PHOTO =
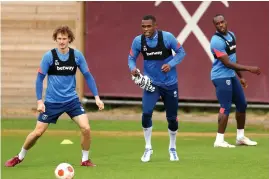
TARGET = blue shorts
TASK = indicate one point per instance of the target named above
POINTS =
(228, 91)
(54, 110)
(169, 97)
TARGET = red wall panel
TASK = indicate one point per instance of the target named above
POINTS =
(112, 26)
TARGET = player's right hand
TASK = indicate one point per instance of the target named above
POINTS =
(135, 72)
(255, 70)
(243, 83)
(40, 106)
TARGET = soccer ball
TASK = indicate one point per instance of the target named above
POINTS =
(64, 171)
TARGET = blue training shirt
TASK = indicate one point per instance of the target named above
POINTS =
(152, 68)
(218, 46)
(63, 88)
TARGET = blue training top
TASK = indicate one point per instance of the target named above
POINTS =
(152, 68)
(218, 48)
(62, 88)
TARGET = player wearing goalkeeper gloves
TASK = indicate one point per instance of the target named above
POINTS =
(160, 67)
(60, 64)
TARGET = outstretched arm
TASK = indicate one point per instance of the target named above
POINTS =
(224, 58)
(218, 47)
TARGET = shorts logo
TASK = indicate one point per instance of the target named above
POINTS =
(175, 94)
(81, 108)
(228, 82)
(44, 117)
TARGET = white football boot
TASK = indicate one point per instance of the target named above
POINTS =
(245, 141)
(173, 154)
(223, 144)
(147, 154)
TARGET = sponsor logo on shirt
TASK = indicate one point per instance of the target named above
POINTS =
(65, 68)
(232, 47)
(154, 53)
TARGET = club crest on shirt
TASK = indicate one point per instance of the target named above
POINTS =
(228, 82)
(145, 48)
(56, 62)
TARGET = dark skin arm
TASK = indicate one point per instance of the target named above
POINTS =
(166, 68)
(242, 79)
(238, 67)
(134, 72)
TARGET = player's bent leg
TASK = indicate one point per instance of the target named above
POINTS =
(83, 123)
(224, 93)
(35, 135)
(170, 99)
(28, 144)
(240, 103)
(148, 103)
(240, 115)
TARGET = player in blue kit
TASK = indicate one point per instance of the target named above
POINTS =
(228, 87)
(160, 67)
(60, 64)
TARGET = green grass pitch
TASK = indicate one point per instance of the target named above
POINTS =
(118, 157)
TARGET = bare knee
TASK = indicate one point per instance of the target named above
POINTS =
(38, 133)
(40, 129)
(85, 130)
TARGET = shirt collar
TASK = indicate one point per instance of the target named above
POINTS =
(155, 35)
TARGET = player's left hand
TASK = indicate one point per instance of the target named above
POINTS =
(243, 83)
(166, 68)
(99, 103)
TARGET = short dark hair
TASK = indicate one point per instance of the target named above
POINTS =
(217, 15)
(149, 17)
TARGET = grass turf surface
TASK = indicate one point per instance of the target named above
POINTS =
(119, 157)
